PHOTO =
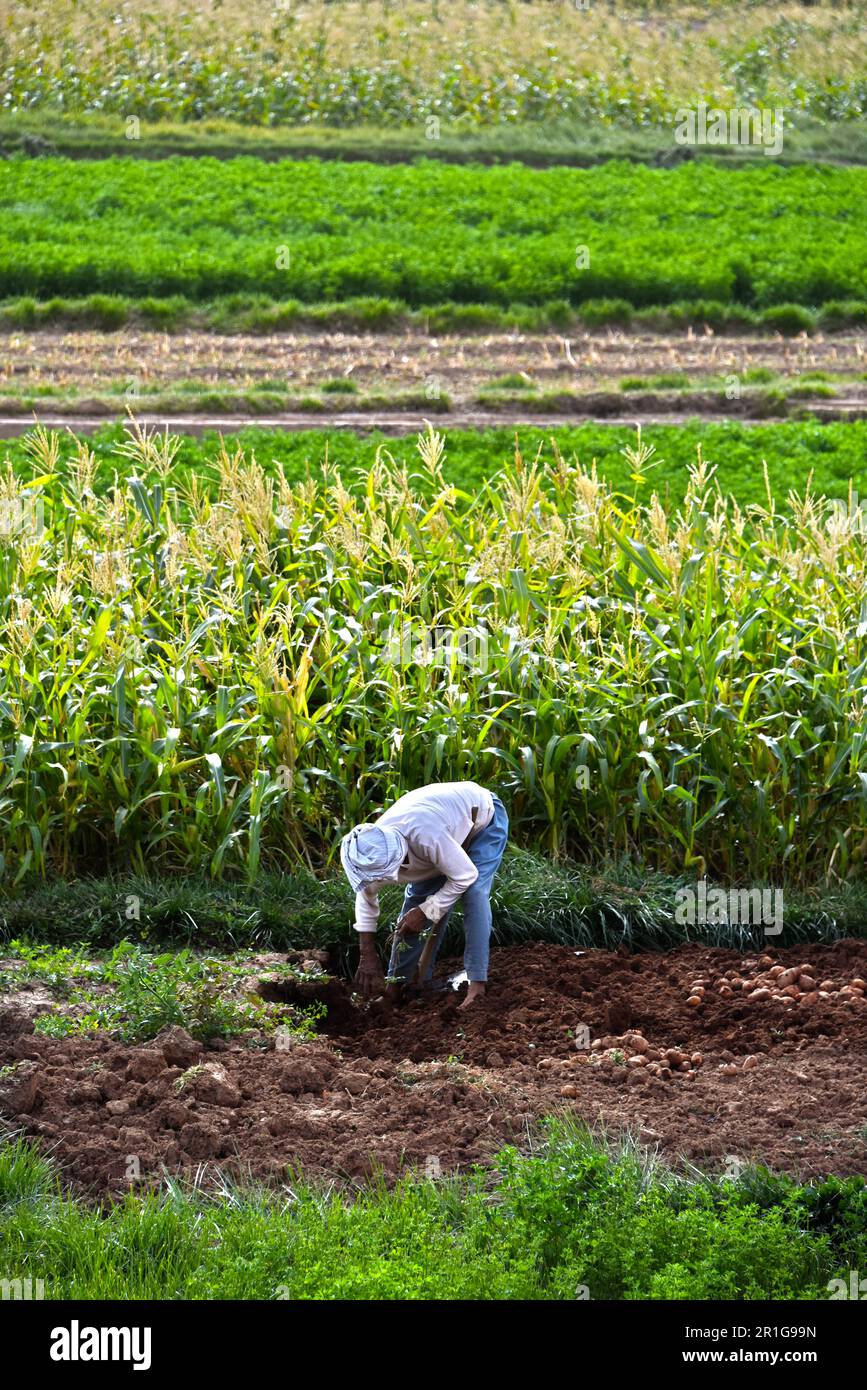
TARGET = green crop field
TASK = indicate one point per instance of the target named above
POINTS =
(211, 678)
(430, 233)
(384, 64)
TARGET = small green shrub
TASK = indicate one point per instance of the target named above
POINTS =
(598, 313)
(789, 318)
(338, 386)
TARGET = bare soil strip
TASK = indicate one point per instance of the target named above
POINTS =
(746, 1073)
(459, 364)
(80, 380)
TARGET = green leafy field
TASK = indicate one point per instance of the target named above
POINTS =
(430, 233)
(571, 1220)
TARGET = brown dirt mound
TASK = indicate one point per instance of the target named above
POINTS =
(776, 1077)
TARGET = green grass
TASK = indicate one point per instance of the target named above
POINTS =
(186, 399)
(570, 1220)
(534, 899)
(133, 992)
(759, 376)
(172, 401)
(512, 381)
(806, 386)
(565, 143)
(786, 241)
(339, 386)
(662, 381)
(222, 677)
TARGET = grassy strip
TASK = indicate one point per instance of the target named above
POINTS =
(831, 454)
(537, 144)
(534, 899)
(765, 237)
(208, 399)
(572, 1219)
(786, 400)
(252, 313)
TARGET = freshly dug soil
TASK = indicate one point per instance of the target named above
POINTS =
(767, 1076)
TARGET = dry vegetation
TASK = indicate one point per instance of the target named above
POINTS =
(138, 362)
(385, 62)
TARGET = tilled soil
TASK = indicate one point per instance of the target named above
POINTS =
(402, 377)
(460, 364)
(749, 1074)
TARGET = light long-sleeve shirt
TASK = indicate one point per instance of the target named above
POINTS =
(437, 823)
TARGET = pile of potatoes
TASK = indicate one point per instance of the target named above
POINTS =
(633, 1050)
(763, 979)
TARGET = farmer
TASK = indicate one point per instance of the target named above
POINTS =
(444, 842)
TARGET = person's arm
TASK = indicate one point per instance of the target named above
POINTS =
(457, 868)
(369, 979)
(366, 912)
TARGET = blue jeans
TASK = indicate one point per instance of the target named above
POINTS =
(485, 850)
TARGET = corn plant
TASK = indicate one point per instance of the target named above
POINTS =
(382, 64)
(213, 675)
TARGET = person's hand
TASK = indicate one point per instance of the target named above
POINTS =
(412, 923)
(369, 979)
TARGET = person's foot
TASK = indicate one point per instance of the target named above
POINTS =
(475, 990)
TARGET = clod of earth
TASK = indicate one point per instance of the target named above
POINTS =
(19, 1088)
(178, 1048)
(213, 1085)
